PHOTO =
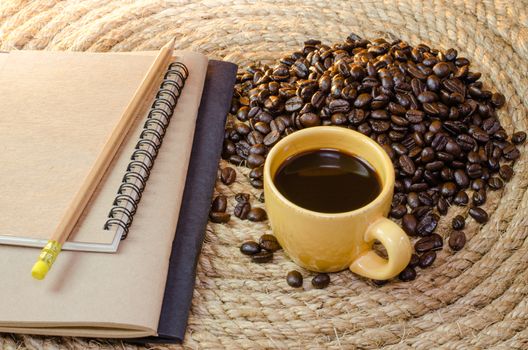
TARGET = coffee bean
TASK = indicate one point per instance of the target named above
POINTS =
(262, 257)
(457, 240)
(461, 198)
(255, 160)
(406, 164)
(415, 259)
(294, 279)
(409, 224)
(257, 183)
(321, 280)
(458, 222)
(433, 242)
(461, 179)
(241, 210)
(309, 119)
(479, 197)
(495, 183)
(257, 214)
(414, 116)
(242, 197)
(219, 204)
(362, 100)
(272, 138)
(250, 248)
(427, 224)
(228, 175)
(427, 259)
(408, 274)
(219, 217)
(442, 206)
(449, 189)
(510, 152)
(506, 172)
(399, 211)
(441, 69)
(479, 214)
(269, 242)
(519, 137)
(478, 184)
(498, 99)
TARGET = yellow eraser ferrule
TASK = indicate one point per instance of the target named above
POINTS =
(46, 259)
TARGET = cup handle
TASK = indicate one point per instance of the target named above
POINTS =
(369, 264)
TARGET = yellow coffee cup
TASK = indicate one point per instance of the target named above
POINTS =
(327, 242)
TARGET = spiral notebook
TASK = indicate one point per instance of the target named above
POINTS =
(56, 111)
(138, 291)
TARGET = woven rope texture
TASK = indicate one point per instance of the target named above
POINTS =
(476, 298)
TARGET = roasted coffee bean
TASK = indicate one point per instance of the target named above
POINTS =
(409, 224)
(262, 257)
(219, 217)
(257, 214)
(427, 259)
(294, 279)
(362, 100)
(479, 197)
(228, 176)
(257, 173)
(432, 242)
(461, 178)
(442, 206)
(441, 69)
(415, 259)
(379, 283)
(399, 211)
(242, 197)
(408, 274)
(457, 240)
(519, 137)
(219, 204)
(427, 224)
(269, 242)
(293, 104)
(458, 222)
(241, 210)
(449, 189)
(413, 200)
(498, 99)
(406, 164)
(250, 248)
(461, 198)
(255, 160)
(257, 183)
(477, 184)
(321, 280)
(414, 116)
(479, 214)
(506, 172)
(495, 183)
(510, 152)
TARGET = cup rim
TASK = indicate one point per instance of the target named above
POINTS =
(389, 179)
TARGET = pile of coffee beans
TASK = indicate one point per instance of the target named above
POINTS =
(426, 107)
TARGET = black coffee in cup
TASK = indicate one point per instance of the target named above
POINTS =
(327, 181)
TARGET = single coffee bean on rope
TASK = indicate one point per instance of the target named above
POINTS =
(228, 175)
(519, 137)
(269, 242)
(479, 214)
(408, 274)
(242, 197)
(457, 240)
(250, 248)
(242, 210)
(257, 214)
(294, 279)
(458, 222)
(321, 280)
(427, 259)
(262, 257)
(219, 204)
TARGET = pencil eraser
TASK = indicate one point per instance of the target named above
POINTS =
(39, 270)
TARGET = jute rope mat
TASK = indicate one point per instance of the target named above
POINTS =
(474, 299)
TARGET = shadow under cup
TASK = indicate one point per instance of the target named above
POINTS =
(325, 242)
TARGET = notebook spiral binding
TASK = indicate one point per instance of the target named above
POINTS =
(142, 160)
